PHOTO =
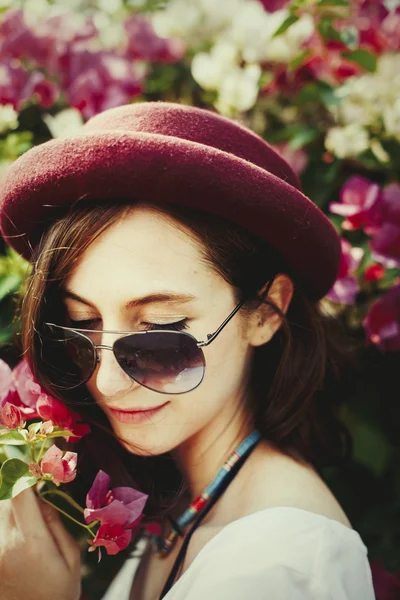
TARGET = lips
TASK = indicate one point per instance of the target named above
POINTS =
(136, 410)
(137, 415)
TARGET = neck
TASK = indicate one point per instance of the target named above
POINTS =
(201, 456)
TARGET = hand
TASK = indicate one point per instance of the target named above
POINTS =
(39, 559)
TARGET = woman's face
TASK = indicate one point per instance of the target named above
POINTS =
(145, 253)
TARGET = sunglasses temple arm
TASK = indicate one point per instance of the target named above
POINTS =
(211, 336)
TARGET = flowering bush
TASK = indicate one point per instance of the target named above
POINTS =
(318, 79)
(116, 512)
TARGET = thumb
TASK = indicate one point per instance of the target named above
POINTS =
(68, 547)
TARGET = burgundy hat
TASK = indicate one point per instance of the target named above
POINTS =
(166, 152)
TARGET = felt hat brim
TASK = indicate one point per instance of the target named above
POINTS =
(164, 168)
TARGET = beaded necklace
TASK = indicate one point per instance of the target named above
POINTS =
(162, 546)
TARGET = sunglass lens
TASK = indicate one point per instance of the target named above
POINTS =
(68, 357)
(169, 362)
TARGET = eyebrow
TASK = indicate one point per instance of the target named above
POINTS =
(166, 297)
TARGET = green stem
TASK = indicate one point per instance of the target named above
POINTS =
(66, 497)
(67, 515)
(41, 450)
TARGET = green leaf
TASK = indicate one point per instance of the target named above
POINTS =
(303, 136)
(327, 30)
(333, 3)
(364, 58)
(285, 25)
(299, 59)
(12, 438)
(14, 478)
(61, 433)
(9, 284)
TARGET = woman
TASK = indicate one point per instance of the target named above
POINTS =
(172, 220)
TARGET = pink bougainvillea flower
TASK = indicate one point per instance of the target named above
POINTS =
(113, 537)
(386, 584)
(26, 393)
(382, 323)
(144, 44)
(62, 468)
(10, 416)
(377, 25)
(119, 511)
(17, 86)
(359, 203)
(346, 287)
(118, 506)
(97, 80)
(374, 272)
(19, 388)
(273, 5)
(7, 389)
(385, 244)
(50, 409)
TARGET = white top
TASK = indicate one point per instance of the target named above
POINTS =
(279, 553)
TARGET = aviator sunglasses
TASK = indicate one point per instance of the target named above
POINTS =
(168, 362)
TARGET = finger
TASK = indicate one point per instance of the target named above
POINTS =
(30, 522)
(27, 514)
(65, 543)
(7, 520)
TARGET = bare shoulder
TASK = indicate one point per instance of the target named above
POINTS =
(275, 479)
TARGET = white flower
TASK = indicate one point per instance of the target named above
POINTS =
(8, 118)
(219, 70)
(287, 45)
(111, 30)
(372, 100)
(110, 6)
(238, 90)
(347, 141)
(209, 69)
(66, 122)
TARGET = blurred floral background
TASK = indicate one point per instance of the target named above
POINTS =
(320, 80)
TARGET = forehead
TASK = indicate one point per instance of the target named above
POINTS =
(142, 252)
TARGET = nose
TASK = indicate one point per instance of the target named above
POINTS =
(110, 379)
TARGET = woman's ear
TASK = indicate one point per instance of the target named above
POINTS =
(266, 320)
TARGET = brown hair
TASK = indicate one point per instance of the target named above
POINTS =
(294, 378)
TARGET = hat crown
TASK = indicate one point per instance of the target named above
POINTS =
(194, 125)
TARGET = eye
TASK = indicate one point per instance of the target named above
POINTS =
(177, 326)
(84, 324)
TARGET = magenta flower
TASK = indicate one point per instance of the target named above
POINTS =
(17, 86)
(113, 537)
(145, 44)
(359, 203)
(7, 389)
(374, 272)
(119, 506)
(273, 5)
(346, 287)
(19, 388)
(11, 416)
(61, 468)
(119, 511)
(50, 409)
(382, 324)
(97, 80)
(385, 244)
